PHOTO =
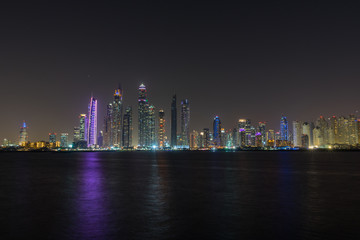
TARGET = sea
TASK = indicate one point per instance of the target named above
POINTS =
(180, 195)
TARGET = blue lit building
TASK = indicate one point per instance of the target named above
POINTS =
(284, 130)
(217, 132)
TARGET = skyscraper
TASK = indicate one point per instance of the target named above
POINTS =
(82, 119)
(108, 122)
(297, 133)
(52, 139)
(173, 122)
(143, 110)
(76, 137)
(185, 123)
(161, 134)
(284, 130)
(353, 130)
(91, 131)
(151, 134)
(262, 130)
(308, 131)
(64, 140)
(217, 131)
(23, 135)
(127, 128)
(116, 118)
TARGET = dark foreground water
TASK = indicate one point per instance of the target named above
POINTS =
(180, 195)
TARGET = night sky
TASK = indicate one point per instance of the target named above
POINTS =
(253, 61)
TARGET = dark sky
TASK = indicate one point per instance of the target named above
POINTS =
(254, 61)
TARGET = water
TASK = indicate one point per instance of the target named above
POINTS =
(180, 195)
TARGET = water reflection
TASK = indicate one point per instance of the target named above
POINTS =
(92, 209)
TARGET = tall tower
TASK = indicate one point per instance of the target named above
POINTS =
(217, 131)
(143, 111)
(185, 123)
(284, 130)
(23, 135)
(151, 133)
(173, 122)
(82, 119)
(161, 135)
(116, 126)
(108, 122)
(297, 133)
(92, 123)
(127, 128)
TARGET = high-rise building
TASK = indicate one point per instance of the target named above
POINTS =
(83, 123)
(91, 131)
(194, 135)
(64, 140)
(284, 130)
(308, 131)
(297, 133)
(317, 137)
(100, 139)
(161, 134)
(305, 141)
(331, 130)
(173, 140)
(127, 128)
(151, 141)
(185, 123)
(217, 132)
(143, 114)
(323, 126)
(206, 138)
(23, 135)
(262, 130)
(116, 118)
(108, 122)
(342, 130)
(353, 130)
(270, 138)
(76, 137)
(52, 138)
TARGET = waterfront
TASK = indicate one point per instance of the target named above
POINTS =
(180, 195)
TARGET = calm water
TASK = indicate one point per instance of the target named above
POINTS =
(180, 195)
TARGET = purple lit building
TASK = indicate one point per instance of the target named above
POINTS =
(91, 123)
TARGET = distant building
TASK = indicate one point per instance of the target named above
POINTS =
(23, 135)
(143, 118)
(185, 123)
(116, 118)
(308, 131)
(64, 140)
(91, 131)
(151, 141)
(297, 133)
(83, 121)
(108, 126)
(217, 132)
(173, 139)
(76, 136)
(353, 130)
(305, 141)
(161, 134)
(127, 128)
(284, 130)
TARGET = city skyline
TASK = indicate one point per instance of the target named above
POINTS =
(117, 130)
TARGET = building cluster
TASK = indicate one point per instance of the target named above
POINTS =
(117, 130)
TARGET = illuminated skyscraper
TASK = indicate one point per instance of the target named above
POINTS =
(308, 131)
(64, 139)
(108, 121)
(83, 123)
(116, 118)
(173, 140)
(284, 130)
(52, 138)
(151, 137)
(76, 134)
(161, 135)
(127, 128)
(353, 130)
(217, 132)
(23, 135)
(92, 123)
(206, 138)
(323, 126)
(185, 123)
(194, 136)
(262, 130)
(297, 133)
(143, 112)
